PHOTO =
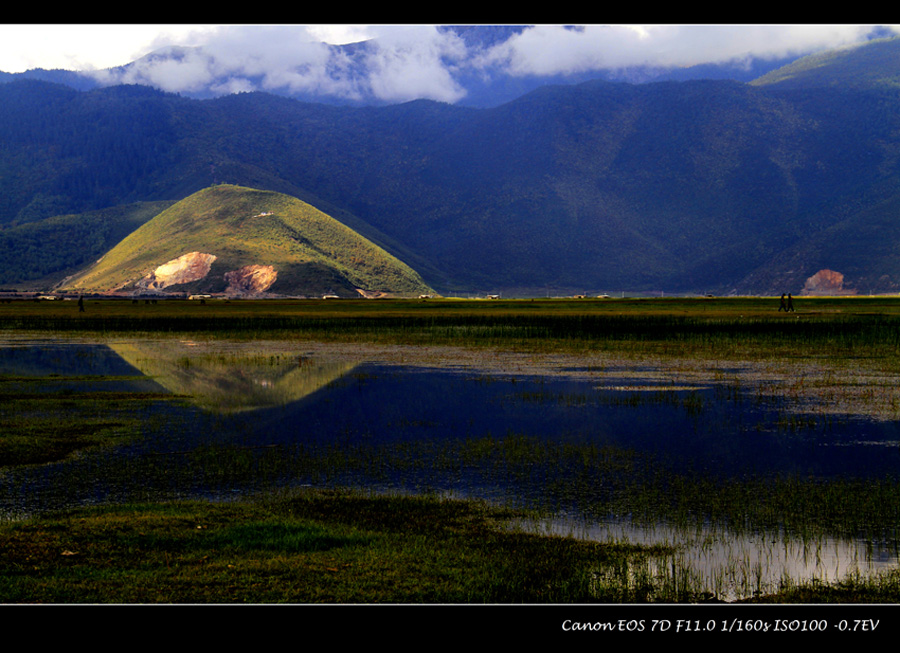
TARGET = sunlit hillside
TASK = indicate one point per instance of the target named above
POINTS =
(309, 253)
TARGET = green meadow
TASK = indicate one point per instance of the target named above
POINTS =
(831, 358)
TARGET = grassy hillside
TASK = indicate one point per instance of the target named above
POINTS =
(871, 65)
(311, 252)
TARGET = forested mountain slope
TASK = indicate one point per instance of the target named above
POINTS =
(674, 186)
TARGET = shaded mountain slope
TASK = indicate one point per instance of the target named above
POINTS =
(40, 253)
(864, 248)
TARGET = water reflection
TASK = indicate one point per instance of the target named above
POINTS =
(230, 381)
(256, 418)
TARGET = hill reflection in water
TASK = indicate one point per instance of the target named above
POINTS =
(230, 381)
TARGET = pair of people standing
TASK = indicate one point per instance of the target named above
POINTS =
(787, 305)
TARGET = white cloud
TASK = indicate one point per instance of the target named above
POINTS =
(542, 50)
(340, 34)
(79, 47)
(410, 62)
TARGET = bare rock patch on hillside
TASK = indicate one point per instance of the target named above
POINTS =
(250, 280)
(826, 282)
(184, 269)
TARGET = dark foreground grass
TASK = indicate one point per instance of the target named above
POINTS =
(310, 548)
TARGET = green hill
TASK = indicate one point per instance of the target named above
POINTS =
(243, 241)
(875, 64)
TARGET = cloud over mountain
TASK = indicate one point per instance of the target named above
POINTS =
(546, 50)
(400, 63)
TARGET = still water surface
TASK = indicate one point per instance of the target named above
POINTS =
(254, 419)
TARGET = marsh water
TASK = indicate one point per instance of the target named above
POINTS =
(576, 443)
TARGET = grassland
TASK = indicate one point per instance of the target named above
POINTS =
(313, 547)
(298, 548)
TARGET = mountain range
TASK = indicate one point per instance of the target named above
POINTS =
(702, 185)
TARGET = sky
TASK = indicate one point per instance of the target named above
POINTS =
(410, 60)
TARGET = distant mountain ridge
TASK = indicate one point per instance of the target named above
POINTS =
(694, 186)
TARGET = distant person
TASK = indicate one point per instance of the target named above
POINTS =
(81, 303)
(790, 303)
(783, 306)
